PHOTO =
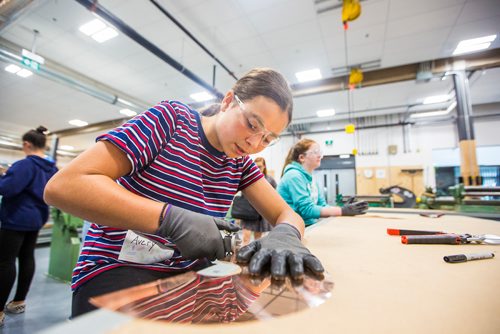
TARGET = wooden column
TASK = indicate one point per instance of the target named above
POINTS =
(469, 169)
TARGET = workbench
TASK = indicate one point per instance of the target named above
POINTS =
(381, 285)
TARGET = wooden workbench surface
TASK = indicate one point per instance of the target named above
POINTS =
(384, 286)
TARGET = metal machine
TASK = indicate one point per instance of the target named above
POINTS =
(478, 201)
(377, 201)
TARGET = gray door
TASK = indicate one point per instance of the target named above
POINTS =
(336, 181)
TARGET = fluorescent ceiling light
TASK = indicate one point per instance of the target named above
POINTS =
(202, 96)
(436, 99)
(66, 147)
(104, 35)
(98, 30)
(124, 102)
(92, 27)
(308, 75)
(344, 156)
(5, 142)
(24, 73)
(77, 122)
(325, 112)
(128, 112)
(474, 44)
(13, 68)
(430, 114)
(451, 106)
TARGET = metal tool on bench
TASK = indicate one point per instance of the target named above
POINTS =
(451, 239)
(440, 237)
(232, 242)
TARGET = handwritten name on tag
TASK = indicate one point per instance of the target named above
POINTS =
(138, 248)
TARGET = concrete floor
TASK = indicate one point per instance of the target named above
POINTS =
(48, 302)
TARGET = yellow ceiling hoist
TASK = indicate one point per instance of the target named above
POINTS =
(351, 9)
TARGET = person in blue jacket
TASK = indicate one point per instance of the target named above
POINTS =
(302, 193)
(23, 212)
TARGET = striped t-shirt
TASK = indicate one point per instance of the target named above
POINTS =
(172, 161)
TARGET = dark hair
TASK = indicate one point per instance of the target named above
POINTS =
(261, 159)
(260, 82)
(299, 148)
(36, 137)
(265, 82)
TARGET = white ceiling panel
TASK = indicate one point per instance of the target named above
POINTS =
(479, 10)
(439, 19)
(288, 36)
(485, 27)
(409, 8)
(257, 5)
(282, 15)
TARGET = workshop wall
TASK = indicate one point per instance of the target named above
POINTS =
(374, 143)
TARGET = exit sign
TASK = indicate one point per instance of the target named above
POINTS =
(329, 142)
(30, 63)
(32, 60)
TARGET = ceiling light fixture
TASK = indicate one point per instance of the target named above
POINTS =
(451, 106)
(22, 72)
(104, 35)
(325, 112)
(128, 112)
(436, 99)
(12, 68)
(92, 27)
(308, 75)
(202, 96)
(474, 44)
(77, 122)
(98, 30)
(430, 114)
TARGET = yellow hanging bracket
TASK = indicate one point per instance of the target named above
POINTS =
(349, 128)
(355, 78)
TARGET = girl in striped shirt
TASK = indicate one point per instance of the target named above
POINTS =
(157, 189)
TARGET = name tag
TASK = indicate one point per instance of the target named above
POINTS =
(139, 249)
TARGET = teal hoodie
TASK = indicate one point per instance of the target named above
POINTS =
(296, 188)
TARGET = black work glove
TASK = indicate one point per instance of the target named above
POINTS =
(357, 208)
(283, 251)
(196, 235)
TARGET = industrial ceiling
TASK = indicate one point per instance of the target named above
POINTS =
(288, 35)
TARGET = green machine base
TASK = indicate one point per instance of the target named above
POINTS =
(65, 245)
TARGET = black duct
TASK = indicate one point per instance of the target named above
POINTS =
(96, 8)
(177, 23)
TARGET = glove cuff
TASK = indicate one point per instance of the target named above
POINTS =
(287, 227)
(163, 213)
(342, 211)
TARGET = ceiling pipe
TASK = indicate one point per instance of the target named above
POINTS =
(95, 7)
(477, 61)
(61, 75)
(396, 109)
(177, 23)
(386, 125)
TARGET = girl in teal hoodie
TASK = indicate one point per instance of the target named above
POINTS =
(301, 192)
